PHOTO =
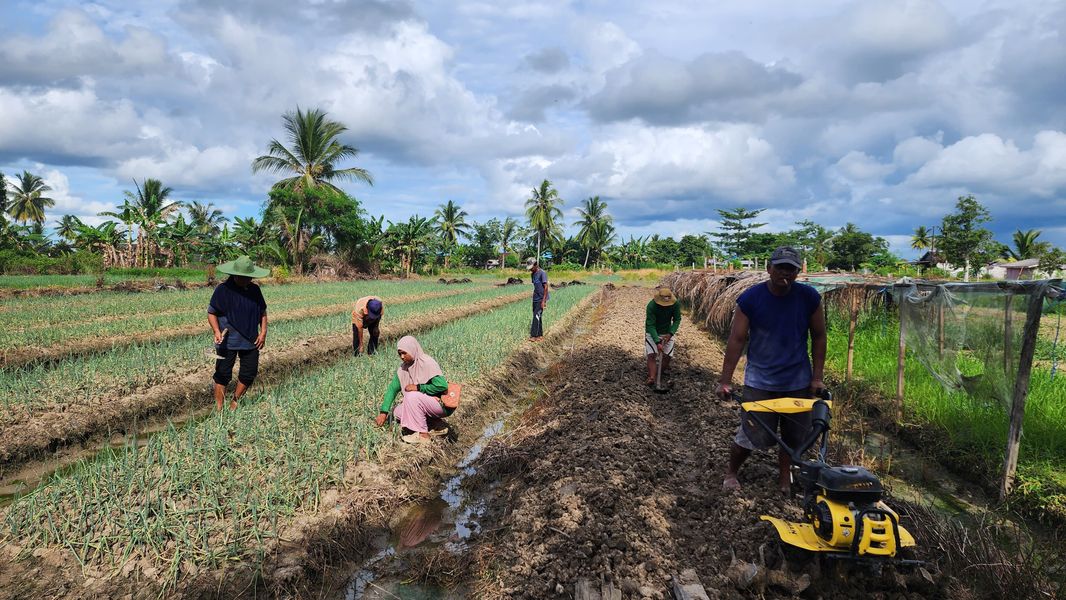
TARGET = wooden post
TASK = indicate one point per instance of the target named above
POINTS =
(1021, 390)
(1008, 333)
(851, 333)
(940, 327)
(900, 360)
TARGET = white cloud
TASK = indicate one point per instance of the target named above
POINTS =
(858, 166)
(989, 162)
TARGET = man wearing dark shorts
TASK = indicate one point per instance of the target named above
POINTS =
(237, 316)
(775, 319)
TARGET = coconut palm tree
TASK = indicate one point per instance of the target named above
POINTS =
(409, 239)
(3, 199)
(509, 232)
(205, 218)
(313, 153)
(921, 238)
(600, 237)
(1026, 245)
(28, 200)
(151, 208)
(67, 227)
(592, 212)
(451, 223)
(543, 211)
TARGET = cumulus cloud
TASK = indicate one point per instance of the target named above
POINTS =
(988, 162)
(548, 60)
(75, 47)
(661, 90)
(879, 40)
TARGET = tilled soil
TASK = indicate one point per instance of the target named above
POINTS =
(609, 482)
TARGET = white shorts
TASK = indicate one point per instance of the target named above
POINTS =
(650, 345)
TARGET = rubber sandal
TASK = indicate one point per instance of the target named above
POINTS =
(438, 432)
(414, 438)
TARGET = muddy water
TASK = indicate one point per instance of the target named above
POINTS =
(446, 521)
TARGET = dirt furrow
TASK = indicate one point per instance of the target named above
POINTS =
(49, 431)
(607, 481)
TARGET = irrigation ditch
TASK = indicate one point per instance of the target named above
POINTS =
(94, 427)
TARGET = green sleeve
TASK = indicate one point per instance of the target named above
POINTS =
(649, 321)
(435, 387)
(675, 319)
(390, 394)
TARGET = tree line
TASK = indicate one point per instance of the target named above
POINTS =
(306, 215)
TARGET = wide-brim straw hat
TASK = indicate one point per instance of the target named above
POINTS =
(244, 267)
(665, 297)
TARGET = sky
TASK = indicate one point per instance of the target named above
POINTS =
(879, 113)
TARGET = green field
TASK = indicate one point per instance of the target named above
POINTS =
(223, 488)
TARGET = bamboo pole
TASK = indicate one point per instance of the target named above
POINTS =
(900, 360)
(1021, 390)
(1008, 333)
(940, 327)
(854, 317)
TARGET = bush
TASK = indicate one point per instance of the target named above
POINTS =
(565, 266)
(14, 262)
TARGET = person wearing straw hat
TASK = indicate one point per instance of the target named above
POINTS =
(662, 318)
(422, 383)
(237, 314)
(775, 319)
(366, 317)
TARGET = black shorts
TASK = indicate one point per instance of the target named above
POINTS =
(249, 366)
(793, 428)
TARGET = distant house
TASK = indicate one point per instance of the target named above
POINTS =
(1014, 271)
(930, 260)
(492, 263)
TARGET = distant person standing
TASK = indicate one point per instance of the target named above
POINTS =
(237, 314)
(366, 317)
(540, 300)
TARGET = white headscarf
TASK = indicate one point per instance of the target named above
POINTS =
(422, 368)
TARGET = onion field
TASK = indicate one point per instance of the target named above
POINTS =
(225, 489)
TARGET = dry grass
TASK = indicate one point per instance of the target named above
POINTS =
(711, 297)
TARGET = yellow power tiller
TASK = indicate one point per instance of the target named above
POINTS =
(846, 517)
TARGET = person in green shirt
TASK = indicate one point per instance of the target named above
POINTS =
(422, 383)
(662, 317)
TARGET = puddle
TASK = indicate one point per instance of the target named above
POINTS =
(446, 521)
(26, 480)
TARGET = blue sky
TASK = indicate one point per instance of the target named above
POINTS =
(879, 113)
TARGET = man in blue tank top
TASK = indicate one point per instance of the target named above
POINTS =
(775, 320)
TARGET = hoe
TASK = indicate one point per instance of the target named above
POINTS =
(846, 518)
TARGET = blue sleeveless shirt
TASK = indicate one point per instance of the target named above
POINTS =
(778, 337)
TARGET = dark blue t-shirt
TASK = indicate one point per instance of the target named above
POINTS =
(540, 282)
(778, 359)
(240, 311)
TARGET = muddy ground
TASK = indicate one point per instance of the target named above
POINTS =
(608, 482)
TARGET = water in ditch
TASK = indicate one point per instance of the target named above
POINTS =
(446, 521)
